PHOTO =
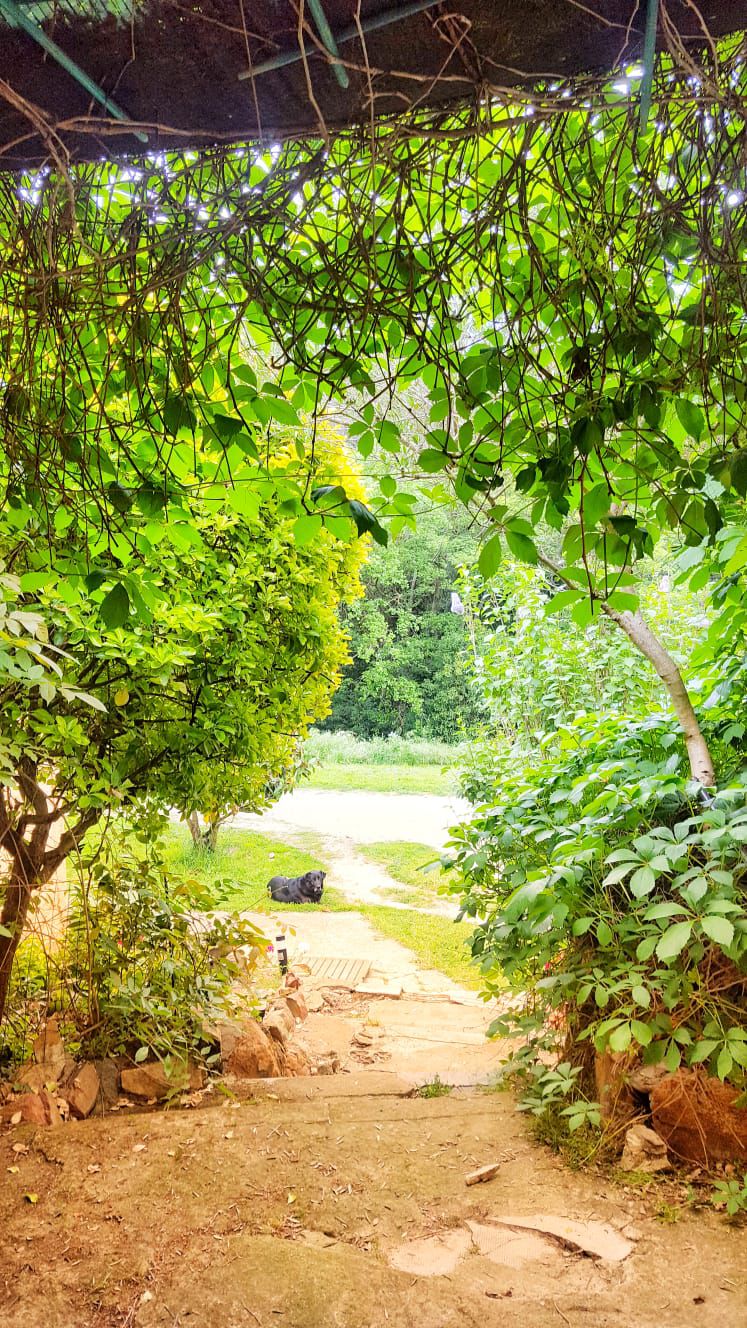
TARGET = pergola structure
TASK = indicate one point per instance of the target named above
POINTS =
(88, 78)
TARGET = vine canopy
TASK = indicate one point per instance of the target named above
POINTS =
(555, 283)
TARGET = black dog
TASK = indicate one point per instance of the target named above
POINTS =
(297, 889)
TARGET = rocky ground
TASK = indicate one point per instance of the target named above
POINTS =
(340, 1198)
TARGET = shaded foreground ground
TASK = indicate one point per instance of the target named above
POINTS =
(275, 1211)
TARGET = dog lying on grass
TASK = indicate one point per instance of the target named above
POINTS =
(306, 889)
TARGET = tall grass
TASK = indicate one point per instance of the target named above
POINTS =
(343, 748)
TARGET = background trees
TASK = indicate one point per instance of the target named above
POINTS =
(197, 700)
(407, 671)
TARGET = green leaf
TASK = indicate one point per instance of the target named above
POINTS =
(562, 599)
(604, 934)
(724, 1063)
(690, 417)
(674, 940)
(431, 460)
(719, 929)
(522, 546)
(115, 606)
(620, 1039)
(642, 882)
(306, 528)
(641, 996)
(490, 557)
(178, 414)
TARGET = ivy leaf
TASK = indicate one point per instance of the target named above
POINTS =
(522, 546)
(674, 940)
(490, 557)
(178, 414)
(642, 882)
(431, 460)
(690, 417)
(306, 528)
(720, 930)
(115, 606)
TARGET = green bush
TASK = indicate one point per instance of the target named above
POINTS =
(143, 972)
(624, 939)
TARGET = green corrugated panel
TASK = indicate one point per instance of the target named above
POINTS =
(43, 10)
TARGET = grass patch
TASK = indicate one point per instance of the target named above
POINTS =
(404, 862)
(438, 942)
(244, 861)
(344, 748)
(384, 778)
(435, 1088)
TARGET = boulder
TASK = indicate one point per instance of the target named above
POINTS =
(48, 1048)
(698, 1120)
(279, 1023)
(328, 1063)
(644, 1078)
(108, 1072)
(296, 1061)
(255, 1055)
(150, 1079)
(295, 1003)
(81, 1090)
(644, 1150)
(33, 1109)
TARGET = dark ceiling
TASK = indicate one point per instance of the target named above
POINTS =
(175, 68)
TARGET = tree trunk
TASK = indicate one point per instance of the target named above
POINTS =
(13, 919)
(203, 836)
(639, 633)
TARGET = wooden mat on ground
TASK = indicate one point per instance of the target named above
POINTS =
(337, 972)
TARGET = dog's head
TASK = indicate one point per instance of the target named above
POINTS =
(312, 885)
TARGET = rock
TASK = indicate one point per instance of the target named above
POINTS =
(483, 1174)
(255, 1055)
(644, 1078)
(151, 1080)
(38, 1109)
(82, 1090)
(228, 1035)
(48, 1048)
(328, 1063)
(314, 1000)
(296, 1061)
(644, 1150)
(698, 1120)
(108, 1072)
(296, 1004)
(279, 1023)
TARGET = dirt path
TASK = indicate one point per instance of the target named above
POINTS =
(340, 1201)
(340, 822)
(343, 1205)
(362, 818)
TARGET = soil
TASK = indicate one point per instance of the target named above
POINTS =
(340, 1200)
(295, 1211)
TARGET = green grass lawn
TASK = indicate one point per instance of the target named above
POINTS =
(438, 942)
(244, 862)
(403, 861)
(384, 778)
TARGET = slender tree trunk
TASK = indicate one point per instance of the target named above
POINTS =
(13, 919)
(639, 633)
(203, 836)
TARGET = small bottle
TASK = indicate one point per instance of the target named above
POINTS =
(282, 952)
